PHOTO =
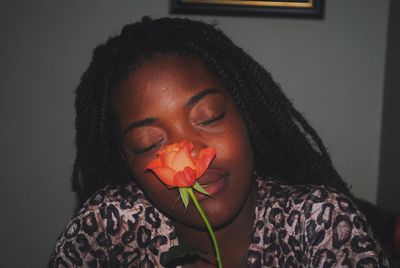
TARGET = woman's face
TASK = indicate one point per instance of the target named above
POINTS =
(174, 98)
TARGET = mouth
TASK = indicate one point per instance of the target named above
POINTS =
(214, 181)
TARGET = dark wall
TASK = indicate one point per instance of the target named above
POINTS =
(389, 171)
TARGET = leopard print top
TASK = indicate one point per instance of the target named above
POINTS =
(295, 226)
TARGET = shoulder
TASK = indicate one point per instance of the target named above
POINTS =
(113, 206)
(303, 198)
(99, 232)
(337, 231)
(113, 201)
(313, 206)
(326, 224)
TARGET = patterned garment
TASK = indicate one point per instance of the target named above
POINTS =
(295, 226)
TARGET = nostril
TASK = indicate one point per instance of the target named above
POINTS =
(197, 147)
(195, 152)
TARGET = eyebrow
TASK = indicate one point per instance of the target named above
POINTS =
(192, 101)
(196, 98)
(139, 123)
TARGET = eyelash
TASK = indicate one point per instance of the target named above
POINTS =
(151, 147)
(202, 123)
(211, 120)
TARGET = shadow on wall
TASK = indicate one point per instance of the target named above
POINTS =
(390, 144)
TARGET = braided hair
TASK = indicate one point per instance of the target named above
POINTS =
(285, 146)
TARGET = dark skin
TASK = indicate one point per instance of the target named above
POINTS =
(174, 98)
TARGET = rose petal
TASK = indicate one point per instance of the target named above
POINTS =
(167, 158)
(166, 175)
(183, 159)
(185, 178)
(190, 175)
(154, 164)
(203, 161)
(175, 166)
(171, 148)
(185, 144)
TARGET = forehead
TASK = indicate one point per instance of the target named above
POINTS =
(163, 81)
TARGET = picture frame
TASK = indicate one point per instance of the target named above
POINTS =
(288, 8)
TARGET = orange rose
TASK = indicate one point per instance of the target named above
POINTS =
(175, 166)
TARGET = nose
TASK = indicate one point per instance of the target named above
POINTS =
(191, 135)
(197, 147)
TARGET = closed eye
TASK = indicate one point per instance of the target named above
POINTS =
(149, 148)
(211, 120)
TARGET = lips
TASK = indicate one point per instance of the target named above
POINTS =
(214, 181)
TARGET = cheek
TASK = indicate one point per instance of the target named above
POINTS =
(145, 178)
(237, 147)
(157, 192)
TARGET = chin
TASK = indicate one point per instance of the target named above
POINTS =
(224, 213)
(220, 213)
(194, 220)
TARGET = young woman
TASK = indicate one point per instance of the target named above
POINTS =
(276, 199)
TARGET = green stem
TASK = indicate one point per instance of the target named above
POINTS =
(209, 228)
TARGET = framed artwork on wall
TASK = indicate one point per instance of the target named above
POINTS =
(288, 8)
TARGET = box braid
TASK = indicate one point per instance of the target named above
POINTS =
(286, 147)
